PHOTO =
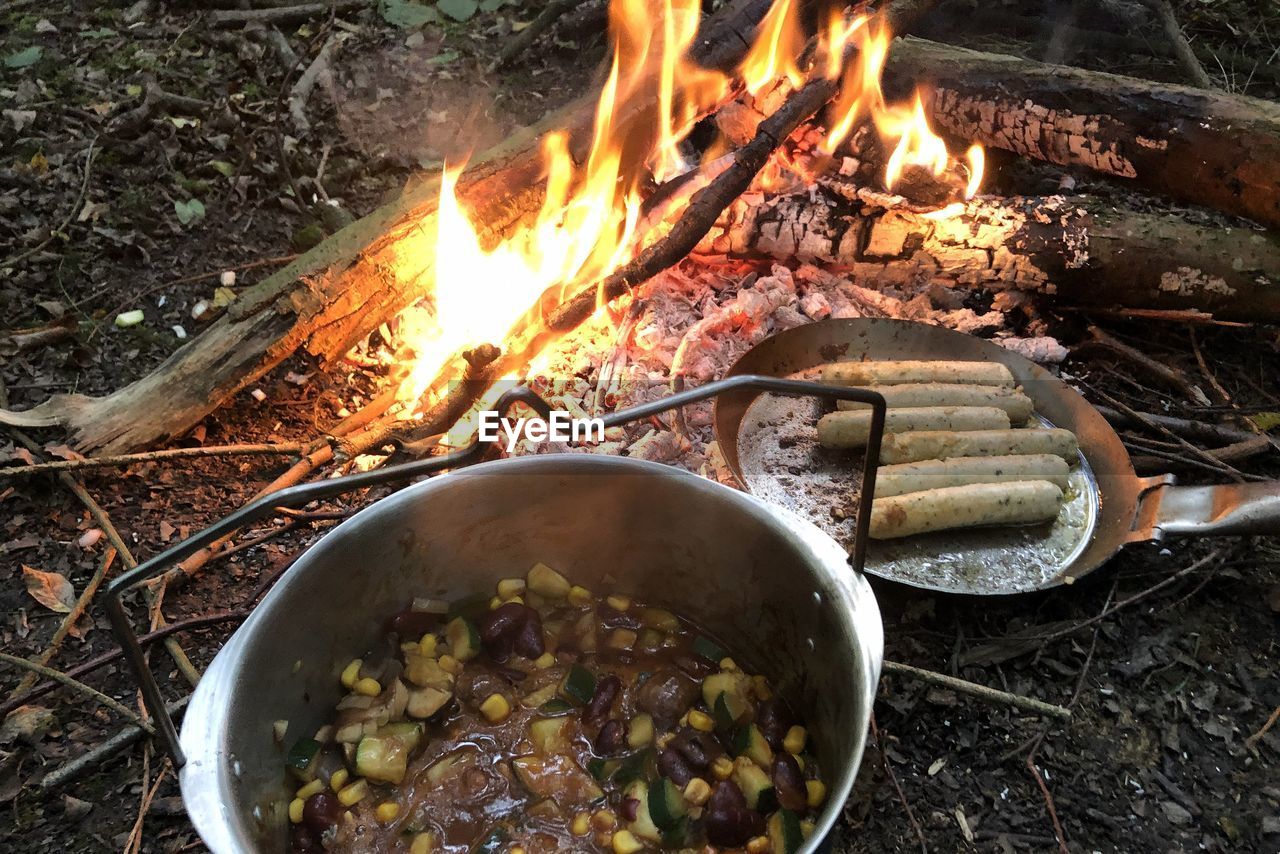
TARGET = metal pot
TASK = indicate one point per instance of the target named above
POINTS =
(772, 586)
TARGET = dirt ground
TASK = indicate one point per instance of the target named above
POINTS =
(143, 152)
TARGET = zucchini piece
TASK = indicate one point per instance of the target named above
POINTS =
(578, 686)
(666, 804)
(603, 769)
(750, 742)
(301, 759)
(785, 836)
(720, 711)
(548, 735)
(678, 836)
(545, 581)
(756, 786)
(659, 618)
(463, 638)
(425, 702)
(643, 824)
(555, 706)
(734, 688)
(709, 649)
(632, 767)
(384, 757)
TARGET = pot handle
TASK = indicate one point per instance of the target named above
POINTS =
(298, 496)
(1219, 510)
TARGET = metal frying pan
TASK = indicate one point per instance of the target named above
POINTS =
(769, 443)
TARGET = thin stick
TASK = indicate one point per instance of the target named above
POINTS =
(1252, 741)
(134, 843)
(517, 45)
(982, 692)
(69, 621)
(1230, 470)
(1167, 375)
(1048, 802)
(75, 685)
(1181, 48)
(66, 221)
(897, 787)
(282, 449)
(284, 14)
(121, 741)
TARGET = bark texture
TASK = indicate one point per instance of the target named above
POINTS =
(1080, 250)
(1209, 148)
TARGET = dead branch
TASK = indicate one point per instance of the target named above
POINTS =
(1178, 42)
(1169, 376)
(981, 692)
(124, 738)
(284, 14)
(1184, 427)
(520, 43)
(1230, 470)
(319, 69)
(282, 449)
(79, 687)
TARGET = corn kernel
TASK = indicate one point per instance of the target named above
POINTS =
(387, 811)
(701, 721)
(665, 739)
(728, 664)
(799, 761)
(794, 740)
(353, 793)
(697, 792)
(817, 792)
(722, 768)
(310, 789)
(625, 842)
(621, 639)
(367, 687)
(581, 824)
(423, 843)
(579, 596)
(516, 849)
(338, 779)
(450, 664)
(295, 810)
(544, 661)
(604, 839)
(640, 731)
(351, 673)
(758, 845)
(604, 820)
(509, 587)
(427, 647)
(806, 828)
(495, 708)
(618, 603)
(495, 603)
(514, 600)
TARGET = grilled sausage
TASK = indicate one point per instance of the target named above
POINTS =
(960, 471)
(1015, 404)
(963, 507)
(945, 444)
(851, 429)
(896, 372)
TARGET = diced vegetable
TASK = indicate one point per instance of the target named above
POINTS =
(464, 640)
(425, 702)
(632, 767)
(545, 581)
(697, 791)
(784, 832)
(426, 672)
(707, 648)
(557, 777)
(295, 810)
(555, 706)
(625, 842)
(385, 757)
(496, 708)
(817, 791)
(387, 811)
(794, 740)
(734, 688)
(423, 843)
(549, 735)
(640, 731)
(618, 603)
(302, 757)
(367, 687)
(643, 824)
(658, 618)
(756, 786)
(666, 803)
(579, 685)
(622, 639)
(353, 793)
(442, 766)
(351, 673)
(750, 742)
(702, 721)
(509, 587)
(338, 779)
(579, 596)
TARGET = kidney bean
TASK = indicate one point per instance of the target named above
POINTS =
(675, 767)
(611, 738)
(321, 811)
(698, 748)
(773, 719)
(611, 618)
(528, 638)
(606, 691)
(629, 808)
(501, 622)
(668, 694)
(788, 782)
(694, 665)
(728, 819)
(412, 624)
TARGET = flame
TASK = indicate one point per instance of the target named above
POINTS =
(977, 159)
(776, 49)
(835, 40)
(917, 145)
(860, 93)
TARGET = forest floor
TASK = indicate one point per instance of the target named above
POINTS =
(145, 154)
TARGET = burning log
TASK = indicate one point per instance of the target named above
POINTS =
(337, 293)
(1208, 148)
(1081, 250)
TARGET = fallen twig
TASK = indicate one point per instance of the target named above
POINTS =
(1252, 741)
(897, 787)
(66, 221)
(283, 14)
(306, 84)
(1158, 370)
(1228, 469)
(1181, 47)
(520, 42)
(973, 689)
(125, 738)
(283, 449)
(79, 687)
(1182, 426)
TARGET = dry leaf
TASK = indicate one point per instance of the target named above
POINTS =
(63, 451)
(28, 723)
(50, 589)
(166, 531)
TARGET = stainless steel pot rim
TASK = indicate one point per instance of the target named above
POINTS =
(205, 722)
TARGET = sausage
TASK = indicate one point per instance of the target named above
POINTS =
(851, 429)
(1015, 404)
(1019, 503)
(938, 371)
(945, 444)
(959, 471)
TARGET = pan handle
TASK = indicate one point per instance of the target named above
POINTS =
(1220, 510)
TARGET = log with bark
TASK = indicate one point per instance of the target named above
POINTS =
(335, 294)
(1081, 250)
(1208, 148)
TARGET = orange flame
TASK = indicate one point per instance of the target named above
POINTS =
(776, 49)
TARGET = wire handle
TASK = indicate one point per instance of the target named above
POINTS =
(298, 496)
